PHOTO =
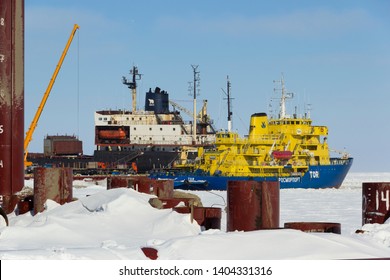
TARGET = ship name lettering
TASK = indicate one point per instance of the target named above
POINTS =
(2, 21)
(2, 57)
(289, 180)
(1, 128)
(383, 196)
(314, 174)
(1, 163)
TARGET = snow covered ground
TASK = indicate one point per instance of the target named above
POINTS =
(116, 224)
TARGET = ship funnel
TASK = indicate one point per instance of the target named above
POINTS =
(258, 125)
(157, 101)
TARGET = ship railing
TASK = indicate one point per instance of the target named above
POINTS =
(340, 161)
(256, 140)
(185, 140)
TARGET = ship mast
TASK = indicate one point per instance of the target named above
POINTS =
(285, 95)
(229, 106)
(196, 81)
(133, 85)
(229, 118)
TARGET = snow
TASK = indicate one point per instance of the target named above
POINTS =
(115, 224)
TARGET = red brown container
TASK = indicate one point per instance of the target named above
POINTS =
(163, 188)
(62, 145)
(376, 203)
(114, 182)
(315, 227)
(182, 209)
(252, 205)
(54, 184)
(11, 101)
(143, 184)
(208, 217)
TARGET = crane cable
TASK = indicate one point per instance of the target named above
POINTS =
(78, 85)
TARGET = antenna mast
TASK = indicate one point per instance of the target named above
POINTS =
(229, 106)
(133, 85)
(229, 118)
(196, 83)
(285, 95)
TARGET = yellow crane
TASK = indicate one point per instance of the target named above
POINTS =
(34, 122)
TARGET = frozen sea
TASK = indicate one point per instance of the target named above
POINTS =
(115, 224)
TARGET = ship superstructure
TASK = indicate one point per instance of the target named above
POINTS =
(152, 137)
(286, 148)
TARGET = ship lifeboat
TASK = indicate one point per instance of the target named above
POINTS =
(112, 134)
(282, 154)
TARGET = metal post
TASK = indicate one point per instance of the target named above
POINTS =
(11, 101)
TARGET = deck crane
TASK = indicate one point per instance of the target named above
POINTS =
(201, 115)
(34, 122)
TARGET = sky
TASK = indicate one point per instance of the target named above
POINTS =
(333, 55)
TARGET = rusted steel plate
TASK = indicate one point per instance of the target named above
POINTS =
(163, 188)
(376, 202)
(119, 182)
(252, 205)
(25, 205)
(151, 253)
(208, 217)
(52, 183)
(143, 184)
(11, 100)
(315, 226)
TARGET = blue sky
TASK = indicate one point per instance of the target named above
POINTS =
(334, 55)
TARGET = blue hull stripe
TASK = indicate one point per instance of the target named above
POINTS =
(317, 177)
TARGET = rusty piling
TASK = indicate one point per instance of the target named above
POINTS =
(376, 202)
(52, 183)
(11, 101)
(252, 205)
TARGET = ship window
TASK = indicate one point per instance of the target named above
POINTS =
(140, 119)
(160, 128)
(105, 119)
(150, 129)
(132, 119)
(100, 119)
(174, 129)
(135, 128)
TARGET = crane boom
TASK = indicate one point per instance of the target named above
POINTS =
(34, 122)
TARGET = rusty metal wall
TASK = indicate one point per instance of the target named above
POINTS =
(376, 202)
(11, 100)
(315, 226)
(253, 205)
(208, 217)
(52, 183)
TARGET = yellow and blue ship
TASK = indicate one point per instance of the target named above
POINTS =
(288, 149)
